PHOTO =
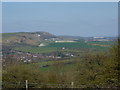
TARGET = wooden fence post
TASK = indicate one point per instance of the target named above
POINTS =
(26, 84)
(72, 84)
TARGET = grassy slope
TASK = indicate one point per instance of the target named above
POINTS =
(36, 49)
(62, 64)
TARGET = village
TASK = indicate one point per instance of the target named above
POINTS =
(23, 57)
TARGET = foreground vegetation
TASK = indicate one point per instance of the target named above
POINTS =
(93, 69)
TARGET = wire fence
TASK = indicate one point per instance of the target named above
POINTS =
(40, 85)
(27, 84)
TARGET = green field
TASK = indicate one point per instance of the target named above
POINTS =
(75, 46)
(79, 44)
(53, 65)
(102, 43)
(8, 34)
(36, 49)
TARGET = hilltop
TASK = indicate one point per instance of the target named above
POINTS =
(31, 38)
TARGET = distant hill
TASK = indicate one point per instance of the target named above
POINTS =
(35, 38)
(32, 38)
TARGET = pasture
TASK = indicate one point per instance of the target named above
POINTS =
(35, 49)
(69, 46)
(61, 65)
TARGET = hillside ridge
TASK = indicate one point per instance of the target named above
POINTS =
(32, 38)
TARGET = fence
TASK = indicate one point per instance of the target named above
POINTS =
(27, 84)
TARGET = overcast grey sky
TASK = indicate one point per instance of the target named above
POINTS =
(70, 18)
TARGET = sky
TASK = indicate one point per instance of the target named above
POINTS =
(0, 18)
(61, 18)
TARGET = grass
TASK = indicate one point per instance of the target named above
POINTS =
(8, 34)
(102, 43)
(78, 44)
(69, 45)
(36, 49)
(53, 65)
(72, 46)
(81, 46)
